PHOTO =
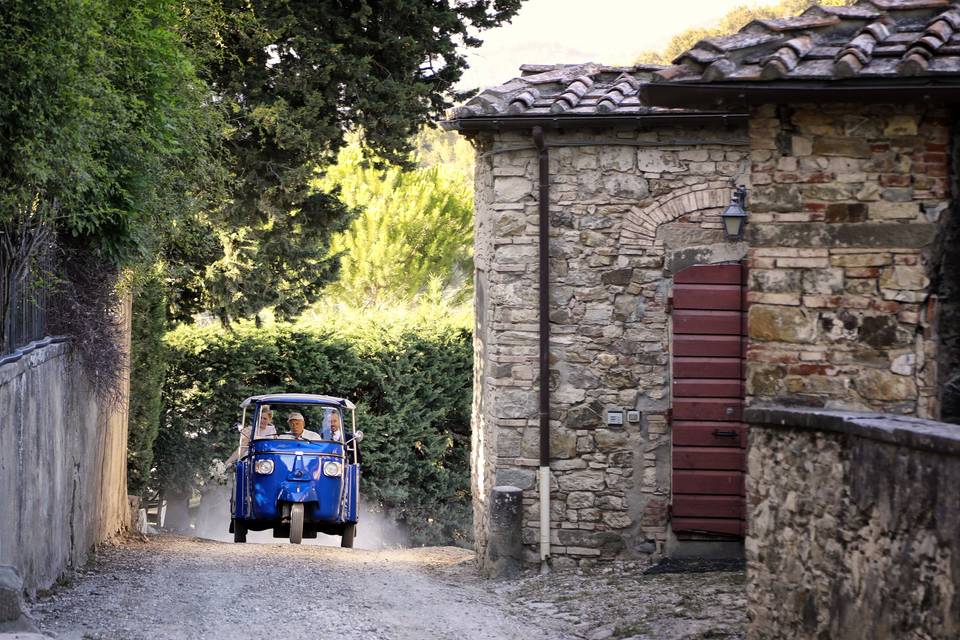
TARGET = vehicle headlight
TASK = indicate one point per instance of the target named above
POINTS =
(263, 467)
(332, 469)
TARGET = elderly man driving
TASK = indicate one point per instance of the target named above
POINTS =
(297, 432)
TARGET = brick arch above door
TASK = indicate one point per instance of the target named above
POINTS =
(640, 224)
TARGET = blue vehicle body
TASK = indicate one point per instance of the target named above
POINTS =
(297, 487)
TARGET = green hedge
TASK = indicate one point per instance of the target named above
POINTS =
(146, 383)
(411, 385)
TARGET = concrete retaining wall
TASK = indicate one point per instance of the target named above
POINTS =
(62, 466)
(854, 526)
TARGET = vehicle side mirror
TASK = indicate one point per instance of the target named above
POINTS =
(358, 436)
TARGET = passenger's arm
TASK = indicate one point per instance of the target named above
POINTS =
(244, 447)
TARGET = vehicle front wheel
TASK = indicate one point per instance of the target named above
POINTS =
(349, 533)
(296, 523)
(239, 531)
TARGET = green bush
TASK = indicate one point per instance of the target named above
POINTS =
(411, 382)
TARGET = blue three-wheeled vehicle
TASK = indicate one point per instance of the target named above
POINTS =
(298, 468)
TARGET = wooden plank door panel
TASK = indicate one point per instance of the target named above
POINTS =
(709, 506)
(707, 367)
(710, 274)
(708, 322)
(717, 483)
(709, 437)
(718, 297)
(725, 409)
(704, 388)
(703, 346)
(710, 458)
(704, 433)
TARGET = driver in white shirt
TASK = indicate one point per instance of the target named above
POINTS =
(297, 432)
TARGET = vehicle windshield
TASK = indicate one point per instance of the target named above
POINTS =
(299, 421)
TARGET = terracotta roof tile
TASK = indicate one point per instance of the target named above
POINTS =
(742, 40)
(893, 5)
(799, 23)
(873, 40)
(565, 90)
(853, 13)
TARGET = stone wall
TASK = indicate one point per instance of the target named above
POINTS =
(843, 217)
(62, 466)
(854, 526)
(627, 210)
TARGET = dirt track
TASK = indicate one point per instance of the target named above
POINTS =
(179, 588)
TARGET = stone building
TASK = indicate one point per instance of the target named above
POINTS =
(839, 122)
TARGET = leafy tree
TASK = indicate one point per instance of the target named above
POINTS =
(293, 77)
(436, 147)
(414, 233)
(101, 115)
(105, 133)
(732, 22)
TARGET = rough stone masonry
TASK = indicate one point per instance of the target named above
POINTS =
(844, 211)
(628, 209)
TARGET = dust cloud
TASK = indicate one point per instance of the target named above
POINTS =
(211, 519)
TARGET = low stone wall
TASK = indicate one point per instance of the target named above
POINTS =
(62, 466)
(854, 526)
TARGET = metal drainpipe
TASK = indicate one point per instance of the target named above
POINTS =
(544, 303)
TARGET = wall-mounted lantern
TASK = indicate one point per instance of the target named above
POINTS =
(735, 216)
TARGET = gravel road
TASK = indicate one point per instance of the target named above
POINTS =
(184, 588)
(177, 588)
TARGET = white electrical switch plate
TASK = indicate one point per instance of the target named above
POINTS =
(614, 417)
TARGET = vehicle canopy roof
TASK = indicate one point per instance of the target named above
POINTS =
(297, 398)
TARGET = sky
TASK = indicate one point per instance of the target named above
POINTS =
(604, 31)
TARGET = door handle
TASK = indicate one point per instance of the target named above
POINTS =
(721, 433)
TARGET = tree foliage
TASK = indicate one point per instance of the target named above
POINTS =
(102, 118)
(293, 77)
(105, 134)
(733, 21)
(414, 232)
(411, 382)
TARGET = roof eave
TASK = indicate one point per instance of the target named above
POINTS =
(741, 95)
(638, 121)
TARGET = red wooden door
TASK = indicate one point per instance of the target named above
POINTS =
(709, 439)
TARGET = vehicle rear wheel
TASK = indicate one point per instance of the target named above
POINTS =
(296, 523)
(239, 531)
(349, 533)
